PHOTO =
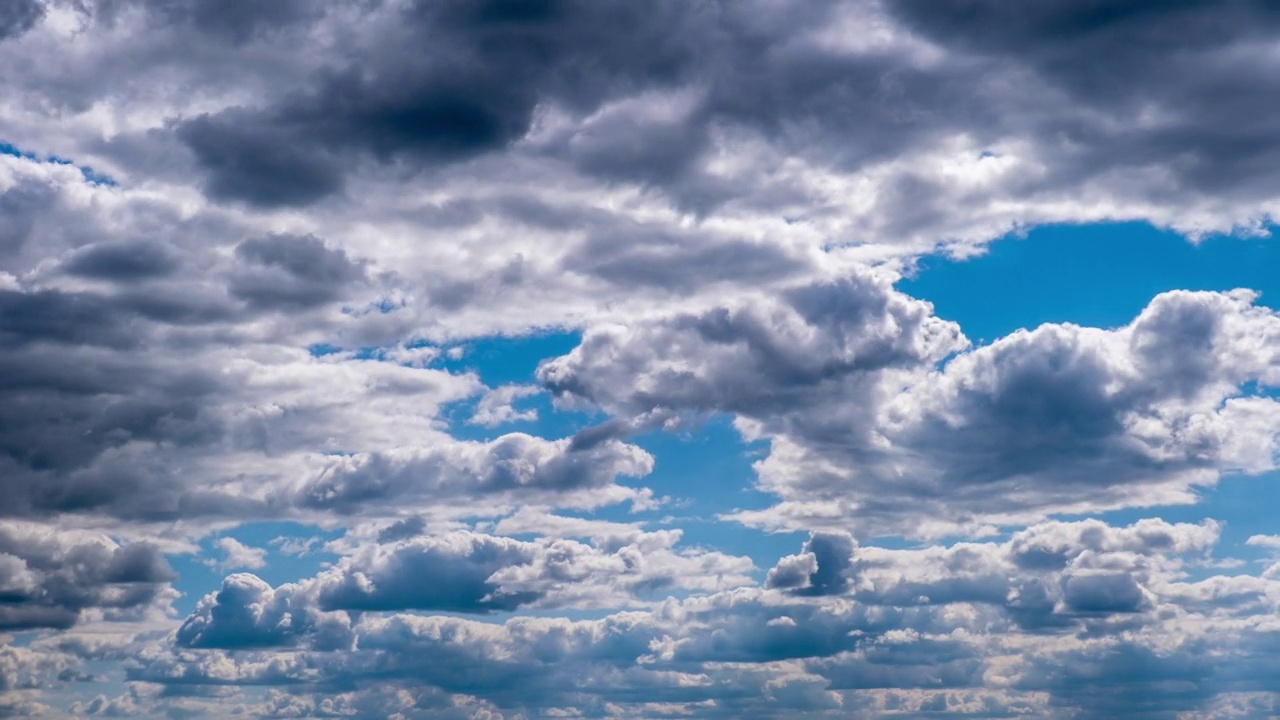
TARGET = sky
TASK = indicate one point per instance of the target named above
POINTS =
(518, 359)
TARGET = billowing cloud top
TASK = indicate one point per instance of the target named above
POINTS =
(558, 358)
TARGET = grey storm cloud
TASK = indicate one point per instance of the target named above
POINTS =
(1121, 58)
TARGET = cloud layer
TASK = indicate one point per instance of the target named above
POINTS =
(302, 270)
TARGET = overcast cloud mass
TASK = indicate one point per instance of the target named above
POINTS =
(516, 359)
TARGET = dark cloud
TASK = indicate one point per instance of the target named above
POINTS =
(453, 576)
(79, 319)
(238, 20)
(291, 272)
(248, 613)
(258, 165)
(19, 16)
(50, 578)
(822, 567)
(402, 529)
(1103, 593)
(474, 90)
(21, 204)
(122, 262)
(1184, 62)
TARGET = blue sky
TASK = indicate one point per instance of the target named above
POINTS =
(517, 359)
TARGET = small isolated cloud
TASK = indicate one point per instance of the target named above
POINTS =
(236, 554)
(496, 407)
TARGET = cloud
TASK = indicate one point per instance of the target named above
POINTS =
(875, 644)
(52, 578)
(19, 17)
(867, 415)
(496, 407)
(239, 555)
(310, 204)
(1049, 577)
(462, 572)
(248, 612)
(771, 353)
(820, 569)
(121, 261)
(285, 271)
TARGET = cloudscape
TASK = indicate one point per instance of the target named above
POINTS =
(518, 359)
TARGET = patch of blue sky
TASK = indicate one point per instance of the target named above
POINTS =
(1100, 275)
(90, 175)
(506, 360)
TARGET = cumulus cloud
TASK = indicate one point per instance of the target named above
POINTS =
(925, 628)
(1050, 577)
(462, 572)
(885, 408)
(53, 579)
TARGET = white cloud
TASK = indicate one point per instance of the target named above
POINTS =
(238, 555)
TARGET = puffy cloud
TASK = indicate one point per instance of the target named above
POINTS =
(769, 354)
(248, 612)
(22, 668)
(52, 579)
(884, 123)
(239, 555)
(513, 466)
(1060, 418)
(820, 569)
(462, 572)
(496, 407)
(1049, 577)
(134, 389)
(879, 645)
